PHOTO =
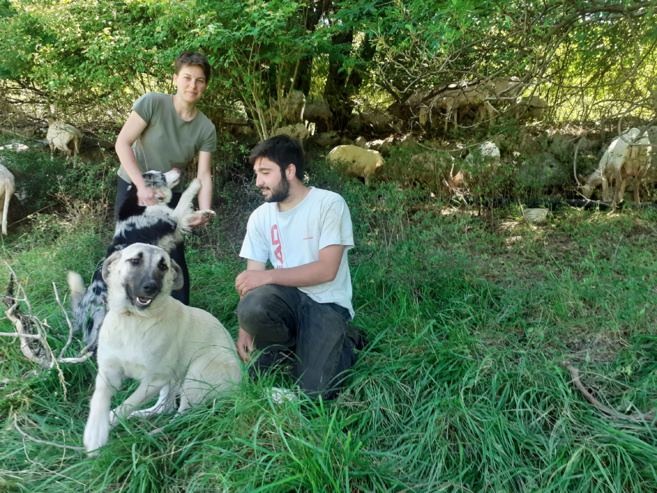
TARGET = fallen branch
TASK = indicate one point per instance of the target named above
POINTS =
(636, 417)
(32, 332)
(36, 440)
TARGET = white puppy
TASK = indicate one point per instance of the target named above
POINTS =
(151, 337)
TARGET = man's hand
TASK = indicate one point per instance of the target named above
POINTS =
(251, 279)
(244, 345)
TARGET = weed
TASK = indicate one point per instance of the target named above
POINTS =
(459, 389)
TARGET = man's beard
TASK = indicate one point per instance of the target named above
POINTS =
(281, 192)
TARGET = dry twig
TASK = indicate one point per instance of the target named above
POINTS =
(32, 332)
(612, 413)
(36, 440)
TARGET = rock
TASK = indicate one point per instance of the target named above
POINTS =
(297, 131)
(535, 216)
(326, 139)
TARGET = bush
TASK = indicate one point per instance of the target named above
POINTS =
(44, 184)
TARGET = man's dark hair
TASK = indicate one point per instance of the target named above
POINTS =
(193, 58)
(282, 150)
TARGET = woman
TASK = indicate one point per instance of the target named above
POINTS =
(166, 131)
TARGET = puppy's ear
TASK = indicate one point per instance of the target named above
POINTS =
(108, 263)
(178, 278)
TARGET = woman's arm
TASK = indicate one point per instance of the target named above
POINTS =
(204, 174)
(132, 129)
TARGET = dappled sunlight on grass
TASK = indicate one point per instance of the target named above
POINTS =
(469, 314)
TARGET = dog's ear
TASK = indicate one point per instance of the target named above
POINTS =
(108, 263)
(178, 278)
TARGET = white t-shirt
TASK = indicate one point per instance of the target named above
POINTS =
(295, 237)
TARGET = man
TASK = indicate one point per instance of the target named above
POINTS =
(303, 305)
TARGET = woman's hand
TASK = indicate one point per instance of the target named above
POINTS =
(146, 196)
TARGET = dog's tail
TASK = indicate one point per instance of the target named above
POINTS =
(76, 287)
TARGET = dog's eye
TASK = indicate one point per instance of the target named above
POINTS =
(134, 261)
(163, 266)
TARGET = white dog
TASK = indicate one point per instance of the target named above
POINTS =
(149, 336)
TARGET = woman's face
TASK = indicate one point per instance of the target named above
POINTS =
(191, 83)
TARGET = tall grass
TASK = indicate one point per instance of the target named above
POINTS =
(461, 388)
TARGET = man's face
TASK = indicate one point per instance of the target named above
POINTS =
(271, 180)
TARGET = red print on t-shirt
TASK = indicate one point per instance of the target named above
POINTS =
(276, 241)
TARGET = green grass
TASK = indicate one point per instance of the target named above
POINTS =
(461, 387)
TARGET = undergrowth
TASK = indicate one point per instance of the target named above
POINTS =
(468, 315)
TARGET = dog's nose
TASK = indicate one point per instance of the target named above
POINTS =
(175, 169)
(149, 287)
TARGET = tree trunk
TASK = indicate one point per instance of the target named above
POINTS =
(335, 92)
(304, 78)
(341, 86)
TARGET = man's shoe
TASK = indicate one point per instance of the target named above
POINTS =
(279, 396)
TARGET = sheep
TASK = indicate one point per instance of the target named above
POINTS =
(530, 107)
(627, 155)
(479, 98)
(64, 137)
(361, 163)
(487, 151)
(7, 187)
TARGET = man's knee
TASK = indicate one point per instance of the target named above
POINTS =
(261, 308)
(251, 310)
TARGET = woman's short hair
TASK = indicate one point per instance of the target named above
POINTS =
(283, 150)
(193, 58)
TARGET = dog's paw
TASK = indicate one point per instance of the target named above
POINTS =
(206, 213)
(113, 419)
(95, 436)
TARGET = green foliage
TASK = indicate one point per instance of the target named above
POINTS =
(468, 313)
(90, 61)
(460, 384)
(257, 48)
(43, 184)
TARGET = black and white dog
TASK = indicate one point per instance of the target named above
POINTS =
(154, 225)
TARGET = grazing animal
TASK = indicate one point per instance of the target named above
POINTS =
(7, 187)
(627, 155)
(64, 137)
(487, 151)
(455, 101)
(156, 225)
(149, 336)
(361, 163)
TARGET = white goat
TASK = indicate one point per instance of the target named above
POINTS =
(64, 137)
(627, 155)
(6, 191)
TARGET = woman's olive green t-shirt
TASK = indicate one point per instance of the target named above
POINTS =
(168, 141)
